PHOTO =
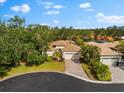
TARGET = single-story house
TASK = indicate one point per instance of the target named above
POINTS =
(122, 38)
(108, 55)
(70, 49)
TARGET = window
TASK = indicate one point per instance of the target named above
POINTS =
(54, 46)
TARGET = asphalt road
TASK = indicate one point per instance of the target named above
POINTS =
(54, 82)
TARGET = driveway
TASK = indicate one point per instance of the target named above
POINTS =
(54, 82)
(117, 74)
(74, 67)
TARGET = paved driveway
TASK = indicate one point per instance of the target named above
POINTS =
(54, 82)
(74, 67)
(117, 74)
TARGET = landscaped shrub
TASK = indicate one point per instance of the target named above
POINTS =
(102, 72)
(49, 59)
(3, 72)
(34, 58)
(90, 54)
(104, 76)
(58, 55)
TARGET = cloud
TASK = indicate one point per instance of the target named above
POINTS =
(44, 24)
(85, 5)
(99, 15)
(8, 15)
(2, 1)
(15, 8)
(83, 22)
(22, 8)
(49, 4)
(53, 6)
(58, 6)
(52, 13)
(109, 19)
(90, 9)
(56, 21)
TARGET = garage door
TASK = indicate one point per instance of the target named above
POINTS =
(71, 55)
(107, 61)
(110, 60)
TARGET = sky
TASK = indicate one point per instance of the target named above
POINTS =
(76, 13)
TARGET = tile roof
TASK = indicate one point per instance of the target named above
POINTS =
(69, 46)
(106, 48)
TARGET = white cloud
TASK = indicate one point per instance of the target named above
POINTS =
(15, 8)
(58, 6)
(85, 5)
(8, 15)
(25, 8)
(99, 15)
(48, 5)
(90, 9)
(44, 24)
(2, 1)
(56, 21)
(22, 8)
(53, 6)
(83, 22)
(52, 13)
(109, 19)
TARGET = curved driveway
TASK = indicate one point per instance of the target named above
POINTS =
(53, 82)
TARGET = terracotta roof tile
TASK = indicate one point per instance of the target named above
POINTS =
(106, 48)
(69, 46)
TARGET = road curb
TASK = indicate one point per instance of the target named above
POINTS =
(93, 81)
(81, 78)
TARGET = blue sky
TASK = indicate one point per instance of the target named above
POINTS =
(76, 13)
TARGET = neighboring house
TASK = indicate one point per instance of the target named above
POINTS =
(105, 38)
(122, 37)
(108, 55)
(70, 49)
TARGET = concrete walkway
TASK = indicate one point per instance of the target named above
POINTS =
(117, 74)
(74, 67)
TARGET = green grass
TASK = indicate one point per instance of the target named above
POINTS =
(47, 66)
(89, 71)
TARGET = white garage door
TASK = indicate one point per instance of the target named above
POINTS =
(107, 61)
(110, 60)
(71, 55)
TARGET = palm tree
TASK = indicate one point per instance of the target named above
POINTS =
(16, 21)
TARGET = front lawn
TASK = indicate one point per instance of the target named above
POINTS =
(47, 66)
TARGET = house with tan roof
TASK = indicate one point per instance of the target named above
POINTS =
(107, 54)
(70, 49)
